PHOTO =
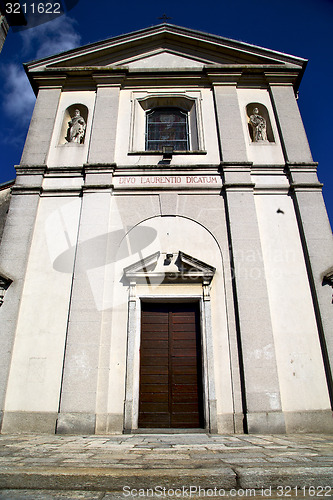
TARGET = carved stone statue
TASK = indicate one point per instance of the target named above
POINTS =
(77, 127)
(258, 124)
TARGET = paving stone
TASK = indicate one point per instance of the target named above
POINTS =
(49, 494)
(274, 477)
(164, 456)
(99, 463)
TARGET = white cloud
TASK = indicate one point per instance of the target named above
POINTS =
(52, 37)
(18, 99)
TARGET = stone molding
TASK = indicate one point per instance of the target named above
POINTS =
(109, 79)
(233, 74)
(47, 81)
(303, 186)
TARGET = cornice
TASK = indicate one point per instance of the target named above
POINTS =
(302, 165)
(164, 32)
(99, 167)
(25, 169)
(103, 79)
(239, 186)
(303, 186)
(26, 190)
(242, 75)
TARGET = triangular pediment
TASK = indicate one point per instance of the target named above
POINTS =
(169, 267)
(163, 59)
(165, 46)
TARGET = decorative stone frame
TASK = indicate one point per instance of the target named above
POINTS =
(190, 102)
(263, 111)
(147, 271)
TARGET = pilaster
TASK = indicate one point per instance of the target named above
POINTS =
(317, 240)
(103, 134)
(14, 254)
(262, 401)
(78, 400)
(289, 121)
(41, 127)
(229, 121)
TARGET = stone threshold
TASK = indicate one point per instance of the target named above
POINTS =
(167, 431)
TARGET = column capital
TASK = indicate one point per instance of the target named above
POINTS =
(109, 79)
(45, 82)
(223, 78)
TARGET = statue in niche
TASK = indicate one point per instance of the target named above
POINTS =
(77, 127)
(258, 124)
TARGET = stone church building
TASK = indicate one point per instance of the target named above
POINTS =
(167, 258)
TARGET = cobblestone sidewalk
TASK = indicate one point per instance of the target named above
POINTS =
(127, 465)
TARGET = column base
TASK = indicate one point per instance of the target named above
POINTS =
(17, 422)
(109, 423)
(320, 421)
(266, 423)
(76, 423)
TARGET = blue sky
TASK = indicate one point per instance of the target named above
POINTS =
(299, 27)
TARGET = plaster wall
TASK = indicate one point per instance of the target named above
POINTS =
(163, 60)
(70, 154)
(270, 180)
(37, 361)
(258, 152)
(299, 360)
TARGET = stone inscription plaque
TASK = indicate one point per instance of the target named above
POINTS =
(168, 181)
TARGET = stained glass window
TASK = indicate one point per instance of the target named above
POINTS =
(167, 127)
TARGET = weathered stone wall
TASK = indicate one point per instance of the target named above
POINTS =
(3, 30)
(4, 206)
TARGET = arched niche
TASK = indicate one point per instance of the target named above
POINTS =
(68, 115)
(263, 113)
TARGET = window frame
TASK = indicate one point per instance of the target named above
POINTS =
(188, 102)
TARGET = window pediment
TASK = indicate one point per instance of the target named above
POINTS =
(163, 267)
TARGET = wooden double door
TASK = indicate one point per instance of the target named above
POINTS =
(171, 393)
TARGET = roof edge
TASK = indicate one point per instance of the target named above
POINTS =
(166, 27)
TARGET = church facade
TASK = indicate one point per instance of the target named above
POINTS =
(166, 261)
